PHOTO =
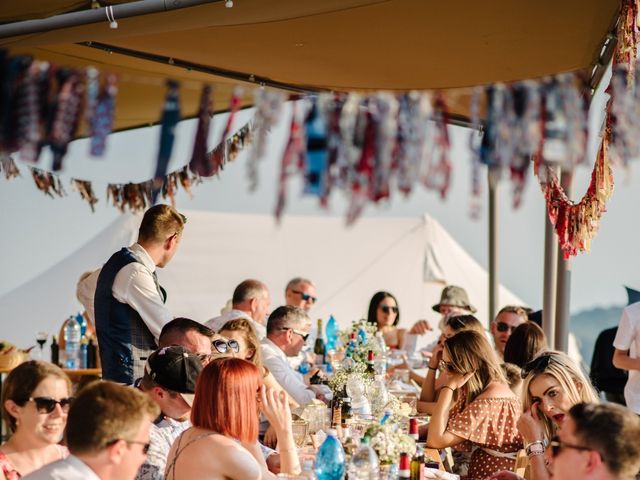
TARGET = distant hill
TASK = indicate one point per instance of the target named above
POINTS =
(586, 326)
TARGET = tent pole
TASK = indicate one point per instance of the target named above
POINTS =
(550, 270)
(493, 243)
(563, 296)
(96, 15)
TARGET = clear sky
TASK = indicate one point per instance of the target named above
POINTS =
(38, 231)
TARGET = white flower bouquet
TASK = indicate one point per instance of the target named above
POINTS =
(389, 442)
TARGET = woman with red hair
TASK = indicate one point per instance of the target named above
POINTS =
(223, 442)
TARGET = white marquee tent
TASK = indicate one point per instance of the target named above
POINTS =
(411, 257)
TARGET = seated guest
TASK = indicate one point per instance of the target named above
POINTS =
(485, 413)
(553, 383)
(170, 381)
(35, 402)
(192, 335)
(251, 300)
(597, 442)
(107, 434)
(243, 333)
(525, 343)
(287, 331)
(225, 426)
(300, 292)
(504, 324)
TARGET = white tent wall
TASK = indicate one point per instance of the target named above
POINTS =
(411, 257)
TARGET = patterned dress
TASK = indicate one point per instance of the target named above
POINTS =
(489, 425)
(7, 468)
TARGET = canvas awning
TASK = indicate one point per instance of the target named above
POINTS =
(330, 45)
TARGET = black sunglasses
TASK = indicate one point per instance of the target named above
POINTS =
(305, 296)
(504, 327)
(145, 445)
(557, 445)
(298, 332)
(442, 365)
(537, 365)
(222, 347)
(48, 404)
(457, 323)
(388, 309)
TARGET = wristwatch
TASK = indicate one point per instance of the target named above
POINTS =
(535, 448)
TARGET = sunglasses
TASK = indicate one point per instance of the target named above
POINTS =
(504, 327)
(48, 404)
(388, 309)
(305, 296)
(557, 445)
(456, 323)
(446, 366)
(537, 365)
(222, 347)
(145, 445)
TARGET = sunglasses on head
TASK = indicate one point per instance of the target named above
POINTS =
(305, 296)
(504, 327)
(145, 445)
(388, 309)
(537, 365)
(556, 445)
(223, 346)
(48, 404)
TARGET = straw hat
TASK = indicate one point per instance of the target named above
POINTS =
(454, 296)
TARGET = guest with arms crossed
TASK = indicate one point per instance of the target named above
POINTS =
(129, 302)
(107, 435)
(553, 383)
(35, 403)
(229, 396)
(486, 412)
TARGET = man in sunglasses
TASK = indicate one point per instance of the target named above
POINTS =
(251, 301)
(597, 442)
(287, 331)
(504, 324)
(170, 381)
(300, 292)
(107, 435)
(129, 302)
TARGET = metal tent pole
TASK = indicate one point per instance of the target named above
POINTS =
(563, 298)
(96, 15)
(550, 279)
(493, 243)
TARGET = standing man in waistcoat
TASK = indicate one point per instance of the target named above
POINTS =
(129, 302)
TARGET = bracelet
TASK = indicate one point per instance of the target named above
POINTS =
(535, 448)
(435, 369)
(450, 388)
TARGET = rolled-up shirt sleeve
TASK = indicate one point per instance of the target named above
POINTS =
(290, 380)
(134, 285)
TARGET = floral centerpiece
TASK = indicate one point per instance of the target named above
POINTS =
(365, 340)
(389, 442)
(338, 381)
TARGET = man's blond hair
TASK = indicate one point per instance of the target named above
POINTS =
(159, 223)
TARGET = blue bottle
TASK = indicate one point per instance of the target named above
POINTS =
(84, 353)
(332, 333)
(330, 458)
(83, 324)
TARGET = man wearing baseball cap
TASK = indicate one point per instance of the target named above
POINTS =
(169, 379)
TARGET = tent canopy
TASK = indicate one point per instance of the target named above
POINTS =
(411, 257)
(342, 45)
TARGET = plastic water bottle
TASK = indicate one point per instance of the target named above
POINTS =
(364, 463)
(330, 458)
(332, 333)
(84, 353)
(83, 324)
(378, 395)
(72, 340)
(307, 470)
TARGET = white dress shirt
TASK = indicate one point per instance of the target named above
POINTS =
(628, 338)
(217, 323)
(291, 381)
(71, 468)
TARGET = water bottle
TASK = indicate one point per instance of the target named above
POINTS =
(332, 333)
(330, 458)
(378, 395)
(84, 353)
(364, 463)
(72, 340)
(307, 470)
(83, 324)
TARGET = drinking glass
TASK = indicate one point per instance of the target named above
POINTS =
(41, 338)
(300, 429)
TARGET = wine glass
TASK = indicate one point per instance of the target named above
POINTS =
(41, 338)
(300, 429)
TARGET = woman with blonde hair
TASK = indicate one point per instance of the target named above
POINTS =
(553, 384)
(242, 332)
(35, 402)
(484, 417)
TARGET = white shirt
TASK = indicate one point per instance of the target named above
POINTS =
(217, 323)
(291, 381)
(71, 468)
(133, 285)
(628, 338)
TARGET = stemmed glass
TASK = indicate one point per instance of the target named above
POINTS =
(41, 338)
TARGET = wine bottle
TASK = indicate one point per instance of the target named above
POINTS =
(318, 347)
(417, 464)
(55, 351)
(404, 470)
